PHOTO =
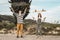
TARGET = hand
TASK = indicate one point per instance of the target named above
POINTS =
(25, 8)
(11, 9)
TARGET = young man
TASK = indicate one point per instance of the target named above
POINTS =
(19, 17)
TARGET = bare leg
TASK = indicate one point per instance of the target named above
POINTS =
(18, 30)
(21, 29)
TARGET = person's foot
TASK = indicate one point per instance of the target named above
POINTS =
(21, 36)
(17, 36)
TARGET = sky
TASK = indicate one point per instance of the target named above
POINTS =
(52, 8)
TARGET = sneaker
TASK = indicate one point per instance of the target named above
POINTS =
(17, 36)
(21, 36)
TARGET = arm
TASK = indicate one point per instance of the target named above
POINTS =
(25, 10)
(13, 11)
(14, 14)
(30, 1)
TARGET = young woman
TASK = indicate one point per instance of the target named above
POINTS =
(20, 22)
(39, 24)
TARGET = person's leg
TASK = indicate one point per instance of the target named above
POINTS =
(40, 29)
(21, 30)
(18, 30)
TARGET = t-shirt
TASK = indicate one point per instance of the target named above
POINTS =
(19, 17)
(39, 21)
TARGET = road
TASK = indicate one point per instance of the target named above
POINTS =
(28, 37)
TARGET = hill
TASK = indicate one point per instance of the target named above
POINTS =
(8, 22)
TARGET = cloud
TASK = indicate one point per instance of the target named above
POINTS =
(55, 10)
(34, 7)
(3, 1)
(6, 13)
(46, 0)
(52, 14)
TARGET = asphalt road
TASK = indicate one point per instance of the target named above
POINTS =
(28, 37)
